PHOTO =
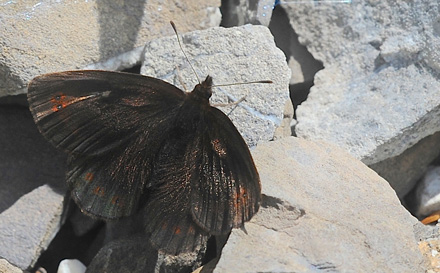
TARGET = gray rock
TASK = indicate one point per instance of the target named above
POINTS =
(32, 188)
(27, 227)
(322, 210)
(403, 171)
(6, 267)
(379, 93)
(134, 254)
(256, 12)
(50, 36)
(125, 255)
(229, 55)
(428, 193)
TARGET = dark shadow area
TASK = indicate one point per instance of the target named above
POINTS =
(299, 93)
(287, 40)
(118, 32)
(27, 160)
(67, 244)
(228, 10)
(135, 69)
(410, 201)
(211, 250)
(19, 100)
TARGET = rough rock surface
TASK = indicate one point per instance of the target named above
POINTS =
(405, 170)
(322, 210)
(32, 188)
(229, 55)
(379, 93)
(125, 255)
(38, 37)
(27, 227)
(6, 267)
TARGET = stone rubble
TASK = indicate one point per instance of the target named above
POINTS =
(377, 97)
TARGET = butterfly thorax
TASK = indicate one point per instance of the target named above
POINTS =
(202, 91)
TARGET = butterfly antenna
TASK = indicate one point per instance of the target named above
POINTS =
(240, 83)
(181, 48)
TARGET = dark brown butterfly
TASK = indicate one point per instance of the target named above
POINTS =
(134, 140)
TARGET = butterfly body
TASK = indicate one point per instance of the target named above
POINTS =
(139, 144)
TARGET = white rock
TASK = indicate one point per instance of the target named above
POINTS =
(71, 266)
(428, 193)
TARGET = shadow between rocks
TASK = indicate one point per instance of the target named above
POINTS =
(27, 160)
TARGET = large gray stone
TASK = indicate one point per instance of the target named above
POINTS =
(47, 36)
(27, 227)
(322, 210)
(379, 92)
(229, 55)
(32, 188)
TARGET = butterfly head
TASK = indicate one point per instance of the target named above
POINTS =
(203, 91)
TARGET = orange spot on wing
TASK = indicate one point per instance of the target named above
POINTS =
(58, 102)
(240, 198)
(89, 177)
(191, 230)
(99, 191)
(177, 230)
(61, 101)
(218, 148)
(116, 200)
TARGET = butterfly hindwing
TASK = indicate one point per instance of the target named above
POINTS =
(109, 185)
(227, 190)
(168, 211)
(203, 180)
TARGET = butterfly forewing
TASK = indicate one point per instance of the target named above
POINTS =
(94, 111)
(111, 124)
(227, 190)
